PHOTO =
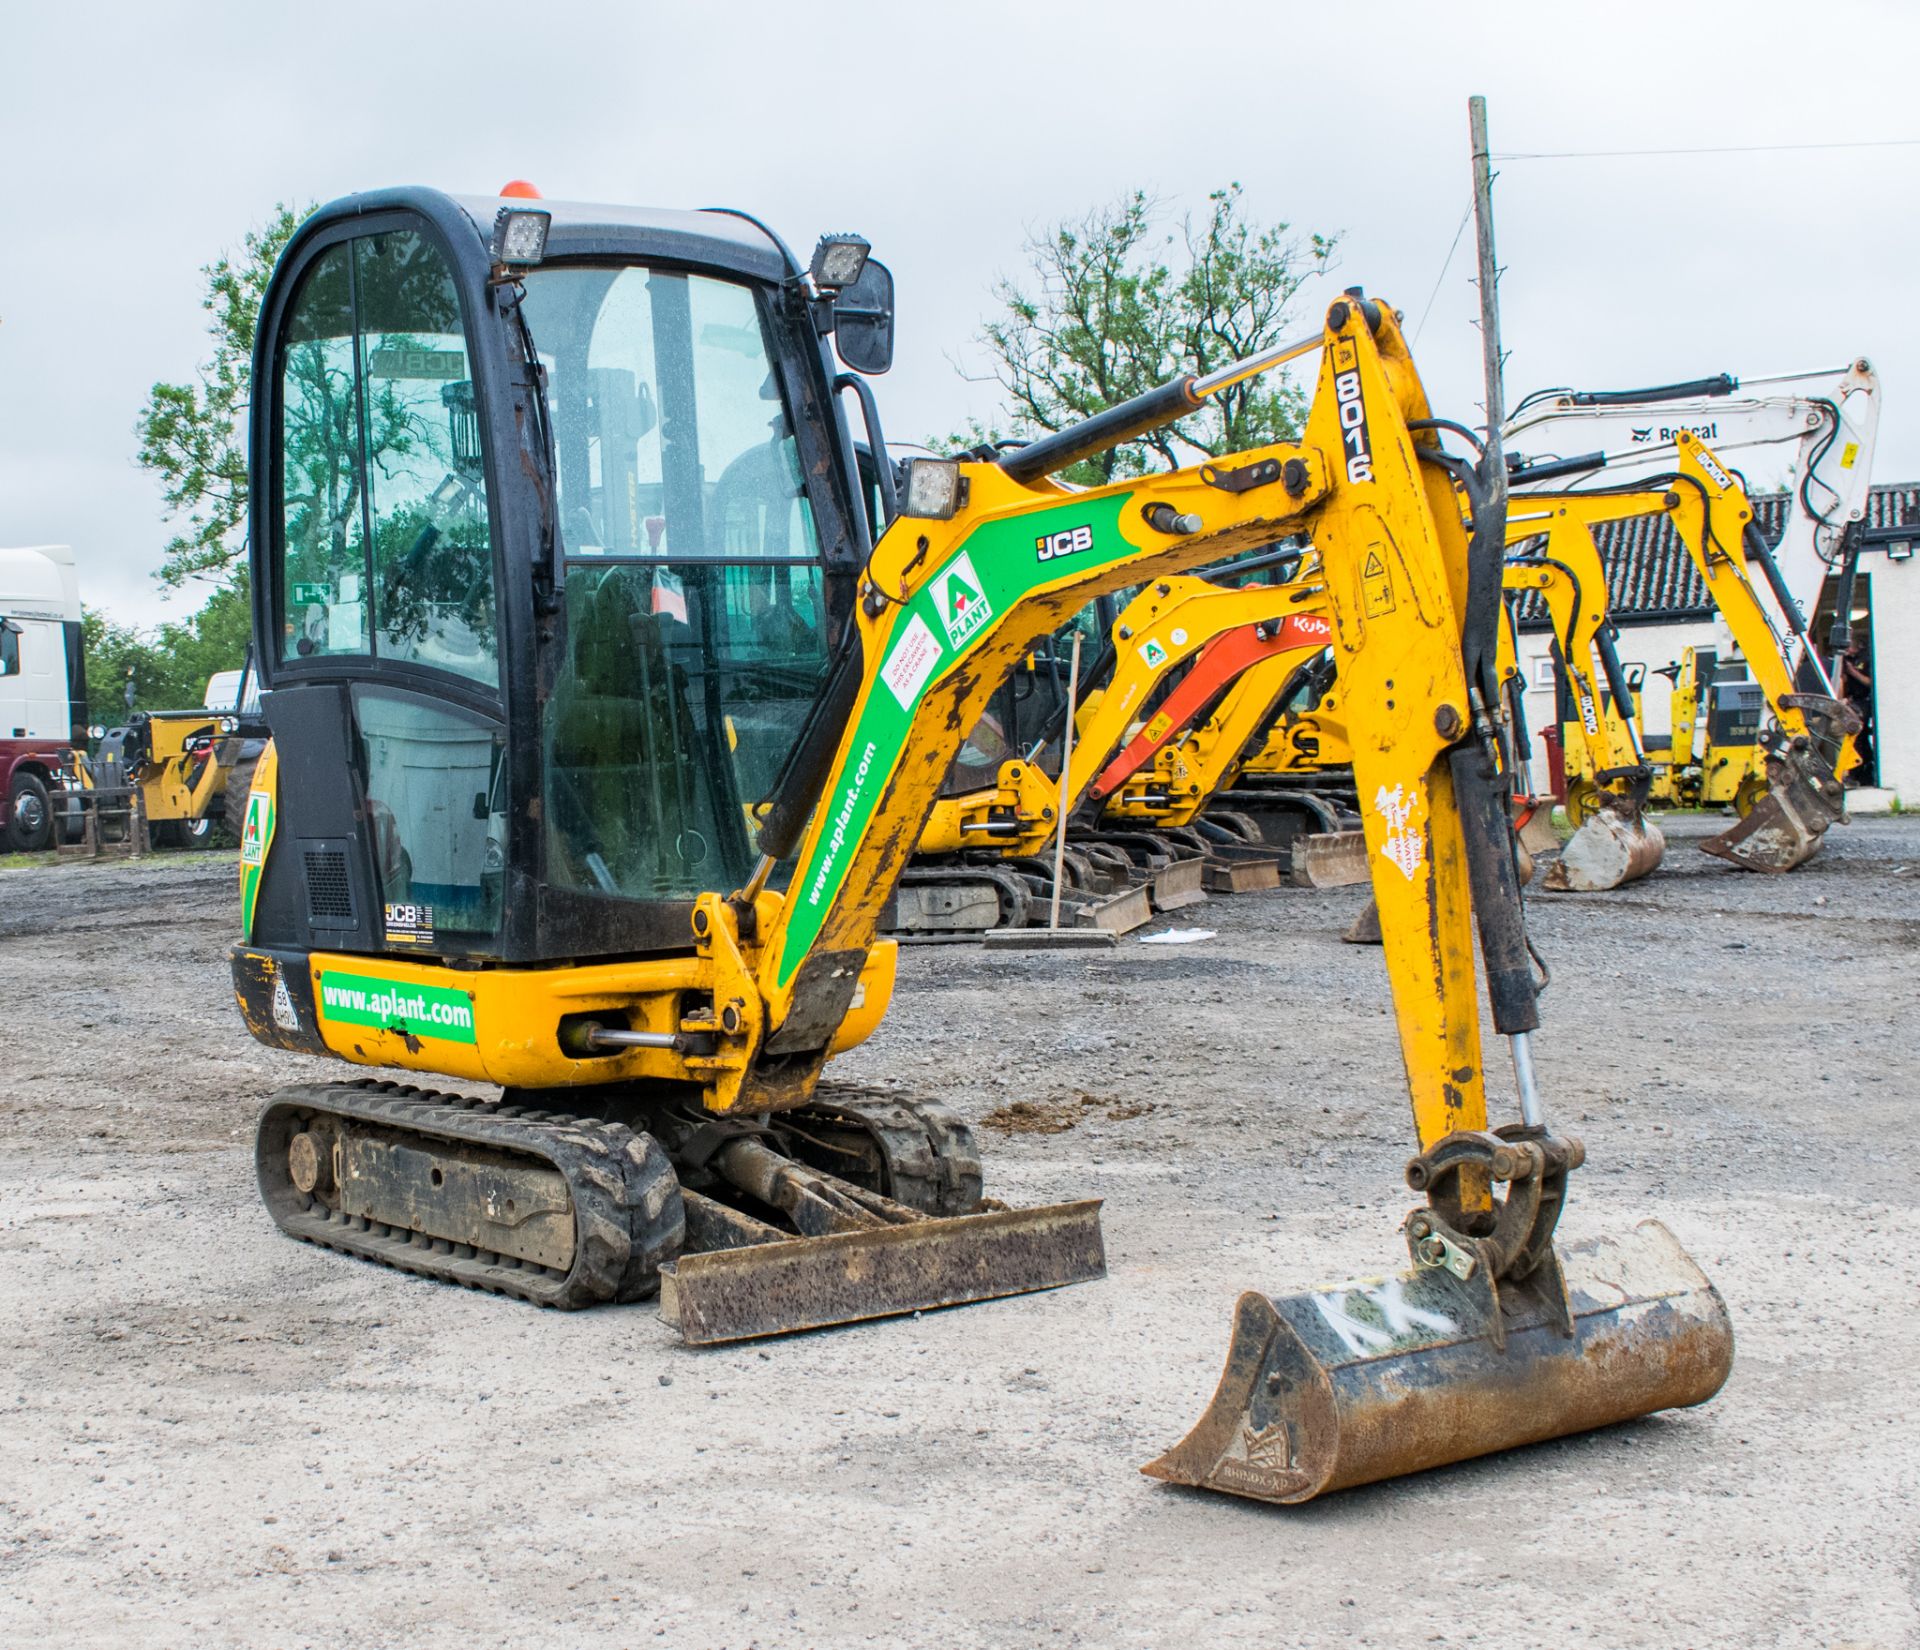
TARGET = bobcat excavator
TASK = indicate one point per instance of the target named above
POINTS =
(1829, 420)
(499, 835)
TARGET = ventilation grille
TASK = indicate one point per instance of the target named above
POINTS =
(329, 894)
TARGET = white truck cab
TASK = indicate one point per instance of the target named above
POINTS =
(43, 695)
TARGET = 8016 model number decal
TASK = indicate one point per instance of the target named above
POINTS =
(1353, 426)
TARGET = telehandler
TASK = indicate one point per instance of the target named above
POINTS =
(537, 664)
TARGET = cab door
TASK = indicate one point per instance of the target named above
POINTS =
(377, 560)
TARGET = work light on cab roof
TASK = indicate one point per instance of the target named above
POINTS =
(838, 261)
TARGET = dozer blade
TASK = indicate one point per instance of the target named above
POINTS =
(1386, 1376)
(811, 1283)
(1612, 848)
(1176, 885)
(1331, 859)
(1783, 830)
(1242, 875)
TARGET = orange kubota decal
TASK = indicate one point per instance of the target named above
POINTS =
(1218, 664)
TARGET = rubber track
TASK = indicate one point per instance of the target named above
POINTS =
(930, 1150)
(626, 1198)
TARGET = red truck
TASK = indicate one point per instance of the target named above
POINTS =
(43, 693)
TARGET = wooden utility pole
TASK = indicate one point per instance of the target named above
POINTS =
(1489, 300)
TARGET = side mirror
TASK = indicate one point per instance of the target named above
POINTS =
(863, 320)
(9, 648)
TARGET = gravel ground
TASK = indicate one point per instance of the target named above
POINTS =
(212, 1436)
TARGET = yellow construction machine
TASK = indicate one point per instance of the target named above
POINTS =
(165, 778)
(1608, 778)
(1173, 647)
(541, 662)
(1712, 756)
(1781, 758)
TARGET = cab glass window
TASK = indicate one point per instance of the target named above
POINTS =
(695, 635)
(323, 544)
(426, 487)
(386, 543)
(436, 807)
(669, 426)
(682, 690)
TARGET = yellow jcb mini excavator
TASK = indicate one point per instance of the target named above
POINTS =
(513, 719)
(1181, 633)
(1613, 841)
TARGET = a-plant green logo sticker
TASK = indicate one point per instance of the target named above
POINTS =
(1152, 654)
(991, 576)
(394, 1005)
(961, 600)
(256, 836)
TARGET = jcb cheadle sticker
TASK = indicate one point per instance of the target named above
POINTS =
(393, 1005)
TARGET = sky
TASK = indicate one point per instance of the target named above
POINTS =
(144, 140)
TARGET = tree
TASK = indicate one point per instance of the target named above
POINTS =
(1105, 313)
(193, 436)
(168, 670)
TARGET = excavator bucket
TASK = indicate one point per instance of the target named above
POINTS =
(1386, 1376)
(1784, 827)
(1614, 846)
(1537, 834)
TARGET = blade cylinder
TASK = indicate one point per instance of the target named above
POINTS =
(1385, 1376)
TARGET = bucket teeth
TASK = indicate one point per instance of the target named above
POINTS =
(1384, 1376)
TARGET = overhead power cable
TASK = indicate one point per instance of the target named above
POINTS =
(1726, 149)
(1420, 326)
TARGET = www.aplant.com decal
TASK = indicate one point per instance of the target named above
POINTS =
(392, 1005)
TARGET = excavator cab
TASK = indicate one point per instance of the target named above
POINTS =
(556, 529)
(557, 694)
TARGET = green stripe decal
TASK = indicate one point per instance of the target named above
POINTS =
(996, 566)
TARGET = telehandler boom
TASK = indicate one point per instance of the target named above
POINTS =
(661, 1024)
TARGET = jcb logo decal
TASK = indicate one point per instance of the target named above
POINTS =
(1069, 541)
(1353, 426)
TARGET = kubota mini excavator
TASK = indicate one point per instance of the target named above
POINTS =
(520, 707)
